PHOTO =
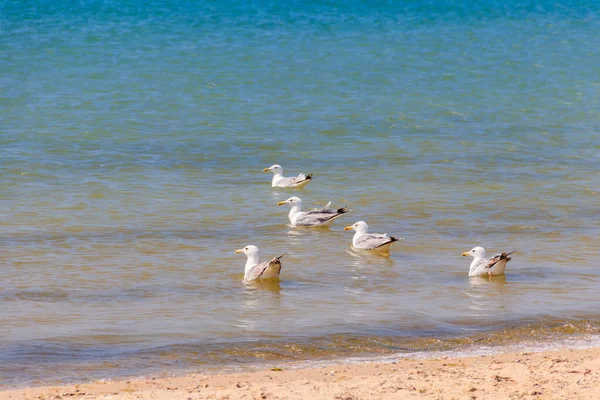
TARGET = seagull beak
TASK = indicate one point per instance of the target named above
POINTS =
(466, 253)
(281, 203)
(348, 228)
(266, 169)
(238, 251)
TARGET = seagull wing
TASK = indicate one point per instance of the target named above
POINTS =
(372, 241)
(497, 258)
(295, 181)
(323, 208)
(319, 217)
(271, 268)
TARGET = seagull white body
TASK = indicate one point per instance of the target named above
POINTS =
(481, 265)
(370, 241)
(316, 217)
(296, 182)
(254, 269)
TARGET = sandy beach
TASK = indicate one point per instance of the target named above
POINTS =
(560, 374)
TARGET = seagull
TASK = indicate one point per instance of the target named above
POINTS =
(370, 241)
(317, 217)
(487, 266)
(296, 182)
(255, 269)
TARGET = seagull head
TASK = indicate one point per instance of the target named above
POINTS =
(360, 227)
(248, 250)
(276, 169)
(475, 252)
(292, 200)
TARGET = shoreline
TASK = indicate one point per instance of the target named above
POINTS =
(17, 375)
(551, 374)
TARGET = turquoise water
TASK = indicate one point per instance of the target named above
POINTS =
(133, 139)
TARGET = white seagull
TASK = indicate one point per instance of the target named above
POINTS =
(279, 180)
(316, 217)
(487, 266)
(370, 241)
(255, 269)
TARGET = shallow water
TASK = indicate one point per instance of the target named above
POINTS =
(133, 140)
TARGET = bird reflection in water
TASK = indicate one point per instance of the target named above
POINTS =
(497, 280)
(272, 285)
(261, 299)
(370, 258)
(487, 295)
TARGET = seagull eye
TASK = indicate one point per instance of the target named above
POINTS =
(473, 251)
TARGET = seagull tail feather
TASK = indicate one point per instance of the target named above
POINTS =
(506, 256)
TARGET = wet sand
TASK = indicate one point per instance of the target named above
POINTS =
(560, 374)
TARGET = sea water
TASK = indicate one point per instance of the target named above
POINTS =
(133, 136)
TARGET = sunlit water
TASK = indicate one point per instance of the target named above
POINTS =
(132, 143)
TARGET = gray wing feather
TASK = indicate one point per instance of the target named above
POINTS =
(293, 181)
(322, 208)
(481, 265)
(498, 257)
(274, 267)
(318, 217)
(257, 270)
(370, 241)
